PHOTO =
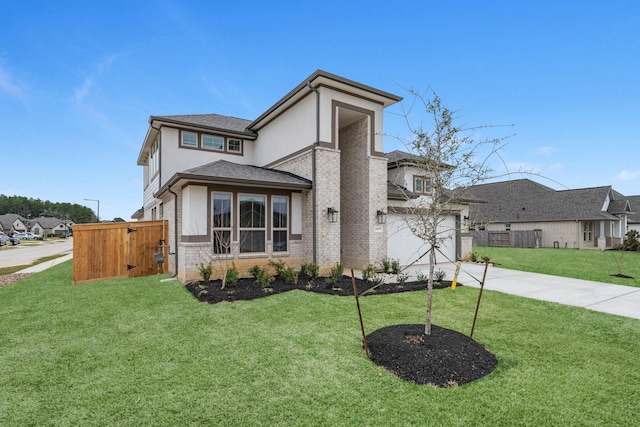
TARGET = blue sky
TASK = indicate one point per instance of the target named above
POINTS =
(79, 80)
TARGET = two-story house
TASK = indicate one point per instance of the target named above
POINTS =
(305, 182)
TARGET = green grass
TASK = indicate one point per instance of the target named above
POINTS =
(138, 352)
(593, 265)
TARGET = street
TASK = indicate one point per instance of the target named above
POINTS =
(25, 254)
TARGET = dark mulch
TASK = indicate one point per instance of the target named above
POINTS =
(446, 358)
(248, 289)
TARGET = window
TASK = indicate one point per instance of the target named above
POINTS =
(234, 146)
(221, 223)
(252, 223)
(587, 231)
(280, 216)
(154, 158)
(211, 142)
(189, 139)
(421, 185)
(507, 227)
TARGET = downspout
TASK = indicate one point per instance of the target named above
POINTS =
(175, 229)
(313, 174)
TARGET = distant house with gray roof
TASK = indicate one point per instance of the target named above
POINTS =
(633, 220)
(584, 218)
(305, 182)
(13, 223)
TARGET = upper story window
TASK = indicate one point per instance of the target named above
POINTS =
(234, 145)
(154, 158)
(421, 185)
(211, 142)
(189, 139)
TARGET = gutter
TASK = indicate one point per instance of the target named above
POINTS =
(313, 175)
(175, 229)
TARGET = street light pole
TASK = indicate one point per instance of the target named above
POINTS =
(98, 213)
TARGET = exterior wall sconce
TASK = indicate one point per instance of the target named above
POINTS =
(332, 214)
(382, 217)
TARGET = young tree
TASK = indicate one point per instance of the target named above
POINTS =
(447, 158)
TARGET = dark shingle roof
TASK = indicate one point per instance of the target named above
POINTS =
(524, 200)
(211, 121)
(234, 173)
(634, 217)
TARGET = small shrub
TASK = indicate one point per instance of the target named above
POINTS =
(279, 266)
(289, 275)
(422, 278)
(386, 265)
(395, 266)
(474, 257)
(205, 272)
(439, 275)
(631, 241)
(255, 271)
(401, 279)
(377, 279)
(262, 276)
(264, 279)
(368, 273)
(337, 272)
(310, 270)
(231, 276)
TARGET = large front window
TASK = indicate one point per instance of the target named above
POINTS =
(588, 231)
(280, 223)
(252, 223)
(221, 223)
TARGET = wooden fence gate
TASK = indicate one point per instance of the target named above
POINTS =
(117, 250)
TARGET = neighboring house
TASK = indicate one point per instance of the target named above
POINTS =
(13, 223)
(305, 182)
(408, 187)
(633, 220)
(583, 218)
(49, 226)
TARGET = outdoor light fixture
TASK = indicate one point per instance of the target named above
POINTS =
(332, 214)
(382, 217)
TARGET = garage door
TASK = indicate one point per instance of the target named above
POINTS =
(404, 246)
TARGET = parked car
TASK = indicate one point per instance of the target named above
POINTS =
(37, 236)
(21, 235)
(13, 239)
(3, 239)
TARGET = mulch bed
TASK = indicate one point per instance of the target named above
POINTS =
(248, 289)
(445, 358)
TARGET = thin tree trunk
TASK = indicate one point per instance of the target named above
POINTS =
(432, 261)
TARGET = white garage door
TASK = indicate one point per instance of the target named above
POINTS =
(404, 246)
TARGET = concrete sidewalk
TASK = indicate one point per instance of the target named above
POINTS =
(604, 297)
(44, 265)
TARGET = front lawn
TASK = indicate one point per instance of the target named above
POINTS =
(599, 266)
(139, 352)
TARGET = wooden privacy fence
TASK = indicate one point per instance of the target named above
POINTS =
(511, 238)
(117, 250)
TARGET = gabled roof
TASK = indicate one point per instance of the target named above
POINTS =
(634, 216)
(208, 121)
(523, 200)
(225, 172)
(7, 220)
(47, 222)
(214, 123)
(318, 79)
(399, 158)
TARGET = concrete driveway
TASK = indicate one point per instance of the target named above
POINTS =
(25, 253)
(604, 297)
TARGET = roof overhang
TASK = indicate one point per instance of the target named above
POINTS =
(319, 79)
(182, 179)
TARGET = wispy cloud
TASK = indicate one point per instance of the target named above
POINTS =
(9, 86)
(626, 175)
(83, 92)
(546, 151)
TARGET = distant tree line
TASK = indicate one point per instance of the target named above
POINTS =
(33, 208)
